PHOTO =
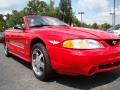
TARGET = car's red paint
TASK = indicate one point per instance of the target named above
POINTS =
(66, 61)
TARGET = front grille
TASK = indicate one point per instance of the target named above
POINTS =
(112, 42)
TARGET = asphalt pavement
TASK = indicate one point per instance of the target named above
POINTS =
(16, 74)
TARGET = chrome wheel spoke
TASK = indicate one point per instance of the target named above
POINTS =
(38, 61)
(5, 49)
(34, 62)
(42, 65)
(38, 68)
(40, 56)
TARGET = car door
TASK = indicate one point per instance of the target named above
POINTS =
(9, 39)
(19, 41)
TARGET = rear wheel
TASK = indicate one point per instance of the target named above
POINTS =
(7, 54)
(41, 63)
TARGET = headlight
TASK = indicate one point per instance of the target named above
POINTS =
(82, 44)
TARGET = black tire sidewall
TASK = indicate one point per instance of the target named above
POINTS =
(47, 70)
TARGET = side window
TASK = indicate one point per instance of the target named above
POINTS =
(34, 21)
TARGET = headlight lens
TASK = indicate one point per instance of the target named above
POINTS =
(82, 44)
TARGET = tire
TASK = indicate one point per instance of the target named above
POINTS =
(7, 54)
(41, 63)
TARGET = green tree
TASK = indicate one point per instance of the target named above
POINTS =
(15, 18)
(2, 23)
(52, 3)
(51, 10)
(36, 7)
(33, 6)
(66, 11)
(105, 26)
(95, 26)
(76, 22)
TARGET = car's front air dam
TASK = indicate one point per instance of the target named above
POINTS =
(104, 67)
(84, 62)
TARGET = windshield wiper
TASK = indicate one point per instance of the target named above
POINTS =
(45, 25)
(63, 25)
(39, 26)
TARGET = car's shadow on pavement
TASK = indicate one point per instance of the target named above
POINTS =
(24, 63)
(81, 82)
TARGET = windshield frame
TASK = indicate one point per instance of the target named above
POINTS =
(45, 21)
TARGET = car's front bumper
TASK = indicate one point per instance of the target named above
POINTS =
(84, 62)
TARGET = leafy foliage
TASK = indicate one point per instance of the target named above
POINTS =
(66, 11)
(2, 23)
(95, 25)
(105, 26)
(39, 7)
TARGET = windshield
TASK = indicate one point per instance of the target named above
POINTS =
(37, 21)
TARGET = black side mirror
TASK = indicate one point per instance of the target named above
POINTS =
(21, 27)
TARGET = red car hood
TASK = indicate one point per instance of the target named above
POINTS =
(98, 33)
(77, 32)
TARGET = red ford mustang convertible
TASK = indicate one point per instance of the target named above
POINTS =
(50, 46)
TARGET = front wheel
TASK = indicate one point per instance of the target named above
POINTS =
(40, 62)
